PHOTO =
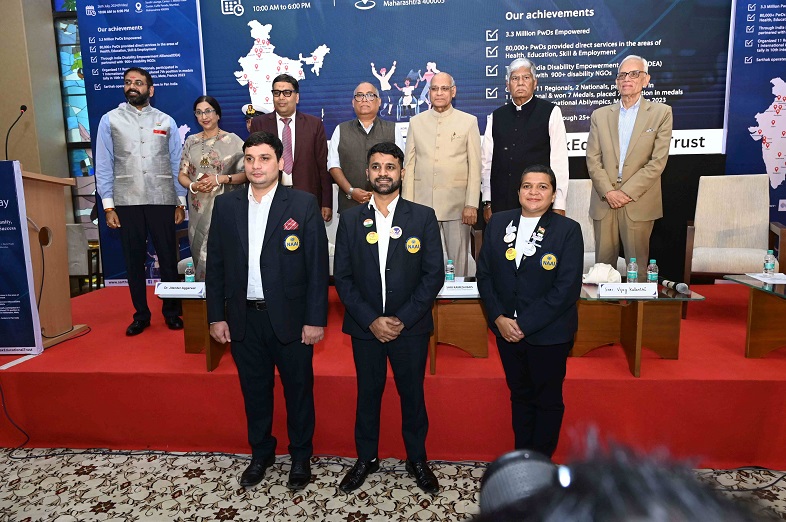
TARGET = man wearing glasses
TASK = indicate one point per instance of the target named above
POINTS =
(305, 143)
(442, 161)
(528, 131)
(627, 150)
(350, 143)
(138, 152)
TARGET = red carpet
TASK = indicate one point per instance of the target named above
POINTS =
(107, 390)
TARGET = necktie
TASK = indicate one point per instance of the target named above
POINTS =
(287, 141)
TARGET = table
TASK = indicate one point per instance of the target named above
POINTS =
(196, 332)
(459, 320)
(654, 323)
(766, 310)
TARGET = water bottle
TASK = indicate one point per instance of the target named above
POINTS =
(450, 271)
(190, 272)
(769, 263)
(652, 272)
(633, 271)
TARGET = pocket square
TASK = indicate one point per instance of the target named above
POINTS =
(291, 224)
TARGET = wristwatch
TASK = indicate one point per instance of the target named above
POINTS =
(229, 177)
(349, 192)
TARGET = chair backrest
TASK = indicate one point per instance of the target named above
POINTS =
(733, 211)
(77, 250)
(577, 209)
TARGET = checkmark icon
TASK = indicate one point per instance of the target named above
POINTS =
(749, 28)
(492, 70)
(491, 94)
(751, 17)
(492, 36)
(97, 86)
(93, 48)
(748, 43)
(94, 59)
(492, 52)
(751, 7)
(749, 59)
(92, 39)
(95, 72)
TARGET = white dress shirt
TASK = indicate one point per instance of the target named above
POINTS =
(384, 224)
(258, 213)
(558, 157)
(625, 128)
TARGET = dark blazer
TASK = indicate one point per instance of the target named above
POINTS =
(295, 281)
(413, 278)
(544, 300)
(309, 170)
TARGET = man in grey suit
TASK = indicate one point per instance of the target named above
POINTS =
(627, 150)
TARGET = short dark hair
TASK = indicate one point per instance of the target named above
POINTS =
(386, 147)
(264, 138)
(287, 79)
(211, 101)
(141, 71)
(544, 169)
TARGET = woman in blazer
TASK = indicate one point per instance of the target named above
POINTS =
(529, 277)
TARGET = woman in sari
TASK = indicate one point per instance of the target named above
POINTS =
(212, 162)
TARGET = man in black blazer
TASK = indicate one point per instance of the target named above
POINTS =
(305, 162)
(389, 318)
(529, 277)
(266, 280)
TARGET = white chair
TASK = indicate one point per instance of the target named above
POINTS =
(84, 261)
(577, 209)
(731, 231)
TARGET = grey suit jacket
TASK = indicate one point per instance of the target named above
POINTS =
(645, 160)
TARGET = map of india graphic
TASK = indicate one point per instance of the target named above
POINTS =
(771, 131)
(262, 64)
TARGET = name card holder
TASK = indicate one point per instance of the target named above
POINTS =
(180, 290)
(628, 290)
(460, 289)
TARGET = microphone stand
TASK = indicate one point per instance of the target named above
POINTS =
(21, 113)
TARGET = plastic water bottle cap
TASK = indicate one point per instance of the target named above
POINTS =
(652, 261)
(632, 259)
(769, 252)
(450, 261)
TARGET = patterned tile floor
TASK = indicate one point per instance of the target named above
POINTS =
(72, 485)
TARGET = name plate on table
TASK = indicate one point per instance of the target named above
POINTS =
(628, 290)
(180, 290)
(459, 289)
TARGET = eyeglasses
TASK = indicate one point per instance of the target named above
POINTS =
(443, 88)
(287, 93)
(135, 83)
(368, 96)
(632, 74)
(206, 112)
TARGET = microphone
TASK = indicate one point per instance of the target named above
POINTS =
(22, 110)
(679, 287)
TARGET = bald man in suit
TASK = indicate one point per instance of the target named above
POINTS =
(627, 150)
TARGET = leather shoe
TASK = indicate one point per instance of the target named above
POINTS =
(174, 323)
(137, 327)
(357, 475)
(256, 470)
(299, 474)
(424, 477)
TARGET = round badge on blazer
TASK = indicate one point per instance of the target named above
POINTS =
(396, 232)
(510, 254)
(548, 261)
(413, 245)
(372, 237)
(509, 237)
(368, 222)
(292, 243)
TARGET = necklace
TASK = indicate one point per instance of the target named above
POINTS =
(205, 162)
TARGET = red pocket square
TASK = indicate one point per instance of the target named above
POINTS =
(291, 224)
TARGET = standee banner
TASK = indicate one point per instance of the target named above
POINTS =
(20, 328)
(332, 45)
(756, 124)
(161, 36)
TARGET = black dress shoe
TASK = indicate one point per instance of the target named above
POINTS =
(174, 323)
(424, 477)
(299, 474)
(256, 470)
(357, 475)
(136, 327)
